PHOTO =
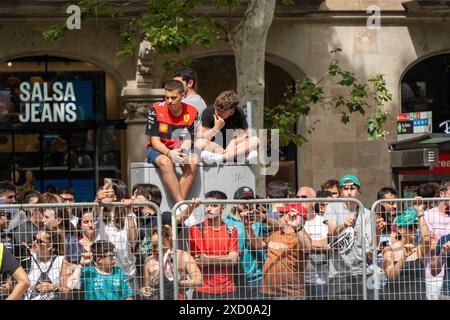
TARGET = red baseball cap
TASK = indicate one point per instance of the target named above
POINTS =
(288, 207)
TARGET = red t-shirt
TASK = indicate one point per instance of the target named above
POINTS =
(216, 278)
(161, 123)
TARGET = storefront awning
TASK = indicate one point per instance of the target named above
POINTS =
(421, 152)
(430, 140)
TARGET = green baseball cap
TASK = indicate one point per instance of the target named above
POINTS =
(407, 218)
(349, 177)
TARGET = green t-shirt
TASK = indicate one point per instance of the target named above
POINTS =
(99, 286)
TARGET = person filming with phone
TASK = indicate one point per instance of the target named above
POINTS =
(346, 261)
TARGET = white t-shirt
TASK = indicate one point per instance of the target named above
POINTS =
(351, 262)
(316, 229)
(317, 267)
(125, 258)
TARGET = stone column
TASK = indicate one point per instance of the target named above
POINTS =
(135, 104)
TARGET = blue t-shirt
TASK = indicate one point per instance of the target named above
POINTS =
(99, 286)
(446, 284)
(252, 260)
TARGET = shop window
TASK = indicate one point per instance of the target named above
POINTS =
(59, 124)
(426, 87)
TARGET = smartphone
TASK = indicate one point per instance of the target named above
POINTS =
(107, 183)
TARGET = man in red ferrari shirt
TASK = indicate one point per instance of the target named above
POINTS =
(215, 248)
(170, 125)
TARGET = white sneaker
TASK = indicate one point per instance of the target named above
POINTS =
(252, 157)
(210, 157)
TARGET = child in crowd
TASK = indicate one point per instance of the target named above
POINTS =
(105, 280)
(119, 226)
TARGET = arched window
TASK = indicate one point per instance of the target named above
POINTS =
(60, 125)
(426, 87)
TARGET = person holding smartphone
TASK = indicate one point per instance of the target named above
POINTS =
(346, 260)
(250, 221)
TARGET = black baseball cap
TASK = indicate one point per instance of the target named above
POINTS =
(244, 193)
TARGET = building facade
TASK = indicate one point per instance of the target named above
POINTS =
(106, 132)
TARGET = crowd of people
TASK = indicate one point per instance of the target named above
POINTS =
(276, 249)
(296, 250)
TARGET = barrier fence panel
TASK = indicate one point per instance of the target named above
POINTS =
(294, 248)
(85, 251)
(315, 249)
(411, 255)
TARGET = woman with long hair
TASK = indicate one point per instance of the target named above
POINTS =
(118, 226)
(86, 228)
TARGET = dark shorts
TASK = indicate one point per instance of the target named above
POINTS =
(151, 155)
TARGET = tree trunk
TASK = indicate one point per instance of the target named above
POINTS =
(248, 40)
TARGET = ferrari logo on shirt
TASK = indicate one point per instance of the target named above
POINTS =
(186, 118)
(163, 128)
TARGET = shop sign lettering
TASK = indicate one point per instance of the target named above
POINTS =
(48, 102)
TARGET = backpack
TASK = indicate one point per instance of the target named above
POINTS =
(239, 278)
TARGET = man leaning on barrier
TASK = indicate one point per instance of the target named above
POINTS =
(288, 252)
(346, 261)
(215, 248)
(250, 221)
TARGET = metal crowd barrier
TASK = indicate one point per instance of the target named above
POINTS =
(30, 254)
(414, 281)
(357, 276)
(183, 232)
